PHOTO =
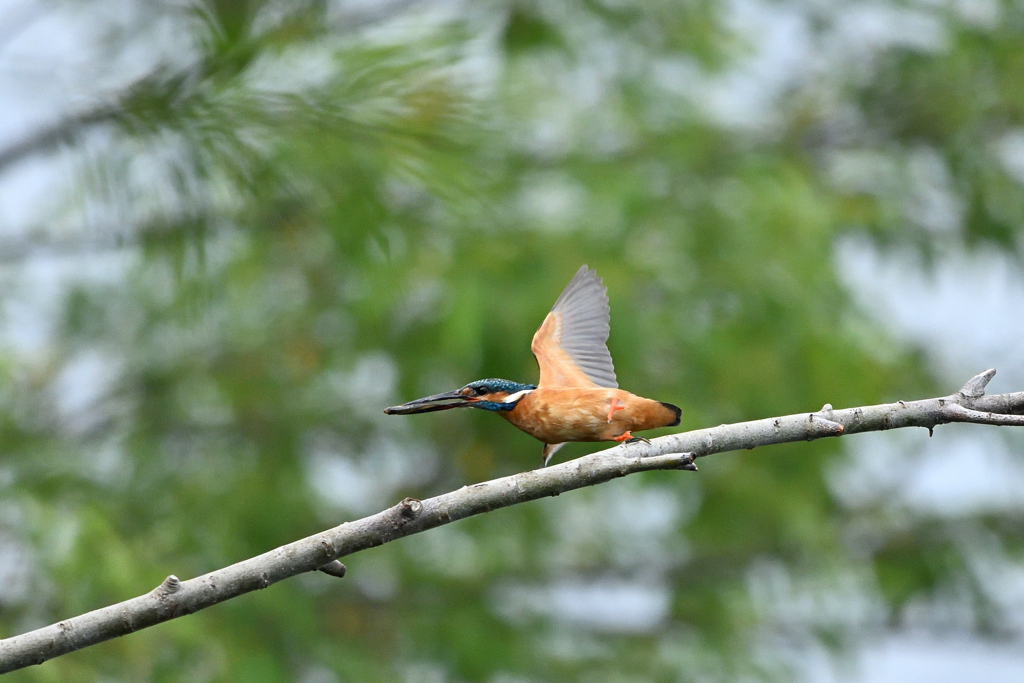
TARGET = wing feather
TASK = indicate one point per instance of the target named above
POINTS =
(570, 345)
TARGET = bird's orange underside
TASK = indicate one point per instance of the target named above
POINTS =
(559, 414)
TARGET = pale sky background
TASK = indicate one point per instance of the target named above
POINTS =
(966, 312)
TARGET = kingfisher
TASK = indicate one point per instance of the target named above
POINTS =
(577, 397)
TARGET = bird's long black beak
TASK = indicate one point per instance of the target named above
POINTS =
(429, 404)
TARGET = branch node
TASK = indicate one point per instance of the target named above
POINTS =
(169, 586)
(126, 620)
(410, 508)
(975, 386)
(687, 463)
(822, 426)
(334, 568)
(328, 546)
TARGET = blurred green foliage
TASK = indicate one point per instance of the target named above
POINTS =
(322, 214)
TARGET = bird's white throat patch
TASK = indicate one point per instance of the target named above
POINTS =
(512, 398)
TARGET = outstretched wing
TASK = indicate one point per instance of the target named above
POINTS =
(570, 344)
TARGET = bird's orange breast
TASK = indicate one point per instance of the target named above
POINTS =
(560, 414)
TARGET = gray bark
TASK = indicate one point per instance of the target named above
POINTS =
(174, 598)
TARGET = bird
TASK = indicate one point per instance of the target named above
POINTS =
(577, 397)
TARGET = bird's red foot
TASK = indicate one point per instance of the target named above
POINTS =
(612, 408)
(629, 438)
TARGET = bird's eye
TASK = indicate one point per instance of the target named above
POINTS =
(480, 391)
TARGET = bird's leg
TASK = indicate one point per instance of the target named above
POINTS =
(549, 450)
(613, 407)
(626, 437)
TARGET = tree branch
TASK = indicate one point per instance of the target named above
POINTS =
(69, 129)
(65, 131)
(174, 598)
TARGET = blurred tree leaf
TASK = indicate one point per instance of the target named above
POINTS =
(293, 221)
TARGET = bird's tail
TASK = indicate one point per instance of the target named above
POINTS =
(675, 409)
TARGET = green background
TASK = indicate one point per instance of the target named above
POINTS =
(295, 214)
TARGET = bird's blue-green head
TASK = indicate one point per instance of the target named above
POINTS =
(487, 394)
